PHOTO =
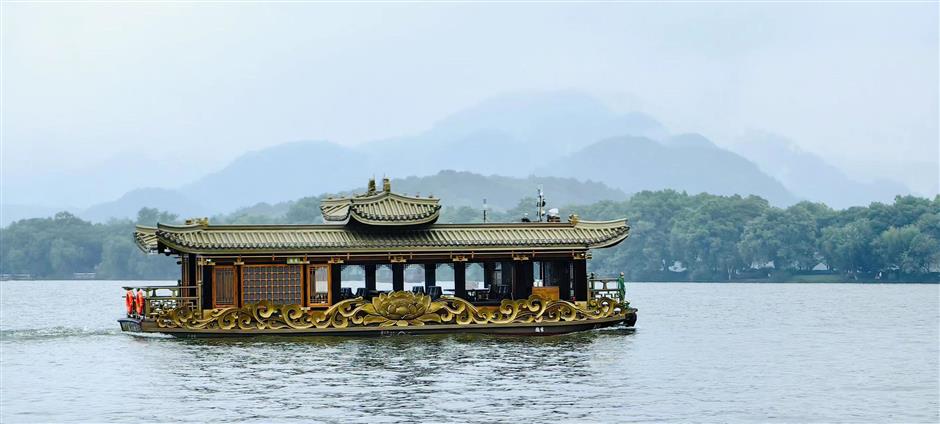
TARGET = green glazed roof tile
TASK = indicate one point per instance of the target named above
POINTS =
(339, 238)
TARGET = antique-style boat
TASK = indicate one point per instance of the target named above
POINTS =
(508, 278)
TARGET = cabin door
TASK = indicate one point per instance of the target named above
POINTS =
(318, 288)
(223, 286)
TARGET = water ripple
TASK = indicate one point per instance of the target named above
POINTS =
(702, 352)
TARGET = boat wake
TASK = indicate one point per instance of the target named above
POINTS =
(54, 333)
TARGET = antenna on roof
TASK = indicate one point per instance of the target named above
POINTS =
(540, 204)
(485, 207)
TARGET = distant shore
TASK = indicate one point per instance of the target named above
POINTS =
(746, 281)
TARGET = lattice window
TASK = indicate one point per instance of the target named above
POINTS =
(279, 284)
(223, 286)
(319, 287)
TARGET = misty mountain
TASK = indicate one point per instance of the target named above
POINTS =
(517, 135)
(130, 203)
(509, 135)
(688, 162)
(810, 176)
(452, 187)
(100, 181)
(275, 174)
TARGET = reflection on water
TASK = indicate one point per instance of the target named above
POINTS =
(702, 352)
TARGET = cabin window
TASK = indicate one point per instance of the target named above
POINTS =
(474, 275)
(414, 276)
(223, 286)
(319, 287)
(280, 284)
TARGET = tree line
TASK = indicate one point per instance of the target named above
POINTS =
(674, 236)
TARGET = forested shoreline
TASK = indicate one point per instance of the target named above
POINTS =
(674, 237)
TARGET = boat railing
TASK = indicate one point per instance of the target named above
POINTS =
(158, 299)
(599, 287)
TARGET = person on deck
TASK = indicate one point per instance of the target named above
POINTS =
(621, 287)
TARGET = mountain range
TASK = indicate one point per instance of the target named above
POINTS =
(810, 176)
(500, 142)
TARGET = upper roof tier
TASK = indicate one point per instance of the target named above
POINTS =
(381, 208)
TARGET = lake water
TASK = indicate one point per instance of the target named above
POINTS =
(701, 352)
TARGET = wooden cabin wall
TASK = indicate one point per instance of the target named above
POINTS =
(489, 274)
(398, 277)
(430, 275)
(580, 279)
(369, 270)
(207, 287)
(506, 273)
(460, 279)
(336, 282)
(560, 272)
(523, 277)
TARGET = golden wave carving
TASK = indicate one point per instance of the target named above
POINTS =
(396, 309)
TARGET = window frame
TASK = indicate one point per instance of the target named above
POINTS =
(245, 270)
(215, 286)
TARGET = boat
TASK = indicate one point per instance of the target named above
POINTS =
(519, 278)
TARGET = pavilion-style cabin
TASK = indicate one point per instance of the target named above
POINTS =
(527, 277)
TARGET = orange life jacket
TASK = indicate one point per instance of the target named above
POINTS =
(129, 300)
(140, 302)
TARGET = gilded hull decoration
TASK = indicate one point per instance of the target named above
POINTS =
(397, 309)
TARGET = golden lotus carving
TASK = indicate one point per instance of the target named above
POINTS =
(399, 309)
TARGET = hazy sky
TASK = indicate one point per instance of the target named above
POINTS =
(856, 83)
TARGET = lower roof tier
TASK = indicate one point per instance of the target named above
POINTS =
(248, 239)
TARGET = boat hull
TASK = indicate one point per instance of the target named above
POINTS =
(627, 321)
(388, 314)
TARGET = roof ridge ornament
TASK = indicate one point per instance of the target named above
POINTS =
(198, 221)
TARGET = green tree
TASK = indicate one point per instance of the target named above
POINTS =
(304, 211)
(848, 247)
(785, 237)
(906, 249)
(706, 237)
(152, 216)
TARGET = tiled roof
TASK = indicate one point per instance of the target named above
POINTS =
(383, 208)
(338, 238)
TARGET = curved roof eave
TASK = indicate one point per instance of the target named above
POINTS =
(338, 238)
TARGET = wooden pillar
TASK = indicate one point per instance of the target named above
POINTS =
(238, 286)
(523, 279)
(580, 279)
(561, 275)
(189, 278)
(369, 270)
(398, 277)
(430, 275)
(304, 285)
(489, 269)
(197, 282)
(460, 280)
(336, 282)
